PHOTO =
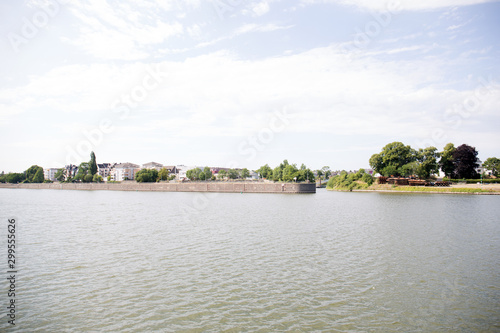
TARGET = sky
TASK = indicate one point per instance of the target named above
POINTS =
(235, 83)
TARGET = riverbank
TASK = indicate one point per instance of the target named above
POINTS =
(490, 189)
(223, 187)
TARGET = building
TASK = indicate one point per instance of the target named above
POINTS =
(104, 170)
(50, 173)
(172, 170)
(125, 171)
(152, 165)
(71, 171)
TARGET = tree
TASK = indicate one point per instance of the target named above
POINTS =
(492, 164)
(38, 178)
(326, 171)
(97, 178)
(466, 162)
(83, 170)
(290, 172)
(392, 158)
(146, 176)
(207, 173)
(61, 174)
(222, 174)
(265, 171)
(15, 178)
(446, 161)
(92, 164)
(277, 174)
(193, 174)
(88, 178)
(233, 174)
(244, 173)
(427, 162)
(31, 172)
(163, 174)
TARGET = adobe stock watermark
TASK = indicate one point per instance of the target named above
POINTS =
(30, 27)
(248, 149)
(224, 7)
(458, 112)
(254, 143)
(122, 108)
(372, 29)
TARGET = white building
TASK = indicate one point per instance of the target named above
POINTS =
(104, 170)
(125, 171)
(50, 173)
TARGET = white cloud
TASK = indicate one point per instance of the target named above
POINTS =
(122, 31)
(410, 5)
(261, 8)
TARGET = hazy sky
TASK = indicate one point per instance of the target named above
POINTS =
(244, 83)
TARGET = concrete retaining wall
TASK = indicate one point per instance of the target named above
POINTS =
(235, 187)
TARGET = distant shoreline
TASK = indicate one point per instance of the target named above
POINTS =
(219, 187)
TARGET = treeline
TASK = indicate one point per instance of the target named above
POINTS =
(34, 174)
(396, 159)
(286, 172)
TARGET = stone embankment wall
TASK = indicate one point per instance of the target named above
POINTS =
(229, 187)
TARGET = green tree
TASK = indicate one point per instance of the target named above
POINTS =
(92, 164)
(97, 178)
(265, 171)
(207, 173)
(31, 172)
(83, 170)
(222, 174)
(427, 159)
(146, 176)
(492, 164)
(244, 173)
(163, 174)
(194, 174)
(277, 174)
(465, 161)
(446, 160)
(289, 173)
(233, 174)
(15, 178)
(38, 177)
(61, 174)
(88, 178)
(392, 158)
(326, 171)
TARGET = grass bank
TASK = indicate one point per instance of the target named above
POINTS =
(422, 189)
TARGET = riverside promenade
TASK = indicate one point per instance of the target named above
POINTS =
(222, 187)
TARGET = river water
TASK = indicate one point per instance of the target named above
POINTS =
(190, 262)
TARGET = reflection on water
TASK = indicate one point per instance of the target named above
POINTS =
(341, 262)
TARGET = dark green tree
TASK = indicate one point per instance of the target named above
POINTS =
(466, 162)
(146, 176)
(38, 177)
(31, 172)
(15, 178)
(92, 164)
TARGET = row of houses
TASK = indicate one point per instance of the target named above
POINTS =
(127, 171)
